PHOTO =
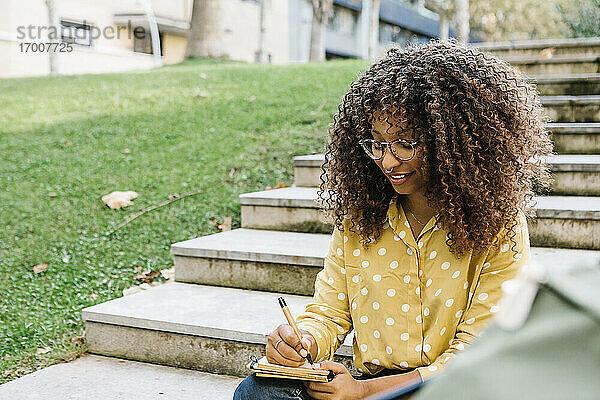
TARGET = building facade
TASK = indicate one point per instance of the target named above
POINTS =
(114, 35)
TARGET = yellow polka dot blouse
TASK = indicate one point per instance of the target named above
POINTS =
(411, 303)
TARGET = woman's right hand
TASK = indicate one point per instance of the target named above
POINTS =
(289, 349)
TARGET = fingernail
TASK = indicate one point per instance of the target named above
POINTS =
(303, 352)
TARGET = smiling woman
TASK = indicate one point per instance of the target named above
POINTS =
(430, 160)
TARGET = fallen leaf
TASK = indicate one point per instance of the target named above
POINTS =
(231, 172)
(225, 226)
(147, 276)
(117, 199)
(173, 196)
(168, 273)
(547, 52)
(279, 185)
(67, 143)
(138, 269)
(52, 194)
(126, 150)
(200, 93)
(91, 253)
(77, 339)
(202, 75)
(40, 267)
(43, 350)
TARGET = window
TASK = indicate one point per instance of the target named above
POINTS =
(393, 33)
(75, 33)
(142, 41)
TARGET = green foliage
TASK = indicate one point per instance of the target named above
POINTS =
(582, 17)
(504, 20)
(187, 127)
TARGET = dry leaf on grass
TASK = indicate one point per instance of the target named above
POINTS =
(119, 199)
(225, 226)
(52, 194)
(147, 276)
(43, 350)
(67, 143)
(77, 339)
(126, 150)
(40, 267)
(279, 185)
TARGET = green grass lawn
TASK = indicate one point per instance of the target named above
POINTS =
(186, 126)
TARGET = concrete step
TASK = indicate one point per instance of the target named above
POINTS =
(274, 261)
(585, 108)
(206, 328)
(557, 65)
(92, 377)
(576, 175)
(573, 174)
(555, 47)
(286, 262)
(575, 138)
(562, 221)
(571, 84)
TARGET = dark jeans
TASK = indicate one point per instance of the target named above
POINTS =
(253, 387)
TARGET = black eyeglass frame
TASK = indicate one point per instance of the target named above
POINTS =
(412, 143)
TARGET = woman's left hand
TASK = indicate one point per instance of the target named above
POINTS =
(342, 387)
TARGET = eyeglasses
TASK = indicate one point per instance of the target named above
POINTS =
(402, 149)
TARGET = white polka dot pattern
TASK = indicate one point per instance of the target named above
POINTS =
(402, 293)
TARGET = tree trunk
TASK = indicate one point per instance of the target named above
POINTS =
(206, 35)
(321, 11)
(54, 37)
(262, 46)
(374, 29)
(461, 20)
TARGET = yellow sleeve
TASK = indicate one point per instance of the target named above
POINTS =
(327, 317)
(500, 266)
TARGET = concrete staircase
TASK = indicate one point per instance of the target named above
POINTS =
(223, 303)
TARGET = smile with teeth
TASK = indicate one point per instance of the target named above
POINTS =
(399, 178)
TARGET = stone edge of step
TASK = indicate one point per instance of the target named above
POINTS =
(91, 314)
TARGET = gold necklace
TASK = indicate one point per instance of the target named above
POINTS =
(414, 216)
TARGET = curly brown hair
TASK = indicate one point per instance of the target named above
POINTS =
(479, 123)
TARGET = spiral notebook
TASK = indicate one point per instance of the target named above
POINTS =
(263, 368)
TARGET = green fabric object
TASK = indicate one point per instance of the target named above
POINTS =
(554, 354)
